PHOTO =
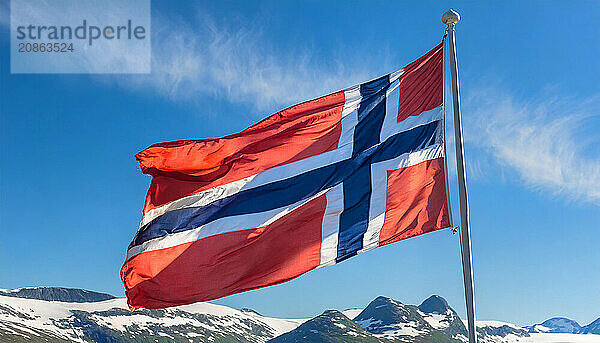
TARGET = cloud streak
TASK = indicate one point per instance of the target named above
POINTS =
(198, 56)
(239, 64)
(551, 142)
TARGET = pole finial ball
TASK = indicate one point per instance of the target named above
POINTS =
(451, 17)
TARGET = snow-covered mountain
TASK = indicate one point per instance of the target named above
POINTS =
(492, 331)
(436, 311)
(592, 328)
(34, 320)
(565, 325)
(46, 314)
(331, 326)
(557, 325)
(396, 322)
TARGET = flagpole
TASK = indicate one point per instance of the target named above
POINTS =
(450, 18)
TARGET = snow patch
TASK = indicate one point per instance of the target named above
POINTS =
(400, 329)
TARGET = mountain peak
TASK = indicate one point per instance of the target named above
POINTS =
(381, 300)
(557, 325)
(332, 313)
(436, 311)
(560, 320)
(331, 326)
(390, 319)
(249, 310)
(434, 304)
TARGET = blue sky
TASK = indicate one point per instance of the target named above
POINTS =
(72, 192)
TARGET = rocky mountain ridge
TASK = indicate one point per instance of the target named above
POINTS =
(33, 314)
(565, 325)
(74, 295)
(33, 320)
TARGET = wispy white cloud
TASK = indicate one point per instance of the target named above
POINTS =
(240, 64)
(196, 55)
(550, 141)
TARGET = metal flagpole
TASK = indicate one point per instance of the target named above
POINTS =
(450, 18)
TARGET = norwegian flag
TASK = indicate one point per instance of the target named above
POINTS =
(307, 187)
